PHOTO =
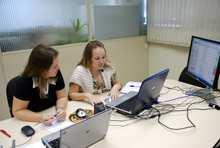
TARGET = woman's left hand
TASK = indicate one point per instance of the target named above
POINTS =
(114, 93)
(60, 114)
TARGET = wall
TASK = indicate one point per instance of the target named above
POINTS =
(167, 56)
(3, 101)
(128, 55)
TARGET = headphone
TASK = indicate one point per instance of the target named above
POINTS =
(81, 113)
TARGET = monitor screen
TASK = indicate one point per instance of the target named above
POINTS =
(203, 61)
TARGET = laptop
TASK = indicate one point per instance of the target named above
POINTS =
(82, 134)
(133, 103)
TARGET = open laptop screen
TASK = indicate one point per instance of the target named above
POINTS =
(133, 103)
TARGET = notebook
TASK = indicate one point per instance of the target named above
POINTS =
(133, 103)
(82, 134)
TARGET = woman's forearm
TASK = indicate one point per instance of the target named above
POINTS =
(27, 115)
(62, 103)
(79, 96)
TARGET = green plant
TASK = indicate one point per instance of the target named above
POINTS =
(77, 26)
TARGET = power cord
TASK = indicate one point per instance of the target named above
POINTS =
(177, 88)
(192, 125)
(162, 109)
(127, 124)
(18, 145)
(177, 98)
(171, 128)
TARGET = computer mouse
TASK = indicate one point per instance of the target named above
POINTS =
(27, 130)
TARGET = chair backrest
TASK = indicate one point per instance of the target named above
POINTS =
(186, 78)
(10, 90)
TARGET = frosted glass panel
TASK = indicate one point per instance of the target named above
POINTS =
(119, 18)
(25, 23)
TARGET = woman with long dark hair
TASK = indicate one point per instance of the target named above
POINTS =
(39, 87)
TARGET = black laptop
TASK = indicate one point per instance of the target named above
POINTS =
(133, 103)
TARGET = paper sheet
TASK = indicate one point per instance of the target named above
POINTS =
(37, 144)
(131, 86)
(57, 126)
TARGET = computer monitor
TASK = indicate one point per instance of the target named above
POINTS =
(203, 61)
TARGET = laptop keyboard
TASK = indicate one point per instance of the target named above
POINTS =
(120, 100)
(55, 143)
(133, 106)
(127, 105)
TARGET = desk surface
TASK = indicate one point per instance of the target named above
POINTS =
(140, 133)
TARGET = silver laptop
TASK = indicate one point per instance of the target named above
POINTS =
(82, 134)
(135, 102)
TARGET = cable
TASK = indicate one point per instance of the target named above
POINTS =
(191, 109)
(134, 121)
(204, 98)
(188, 109)
(166, 108)
(162, 109)
(177, 88)
(18, 145)
(182, 103)
(165, 92)
(186, 96)
(171, 128)
(118, 120)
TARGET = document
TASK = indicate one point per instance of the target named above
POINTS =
(131, 86)
(57, 126)
(37, 144)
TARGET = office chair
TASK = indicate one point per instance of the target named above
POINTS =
(10, 90)
(186, 78)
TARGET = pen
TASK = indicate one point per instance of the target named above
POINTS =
(133, 86)
(5, 133)
(13, 144)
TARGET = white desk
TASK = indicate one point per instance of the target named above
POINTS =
(142, 133)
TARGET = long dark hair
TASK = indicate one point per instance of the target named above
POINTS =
(86, 59)
(39, 62)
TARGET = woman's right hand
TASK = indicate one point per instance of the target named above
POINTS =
(92, 99)
(48, 120)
